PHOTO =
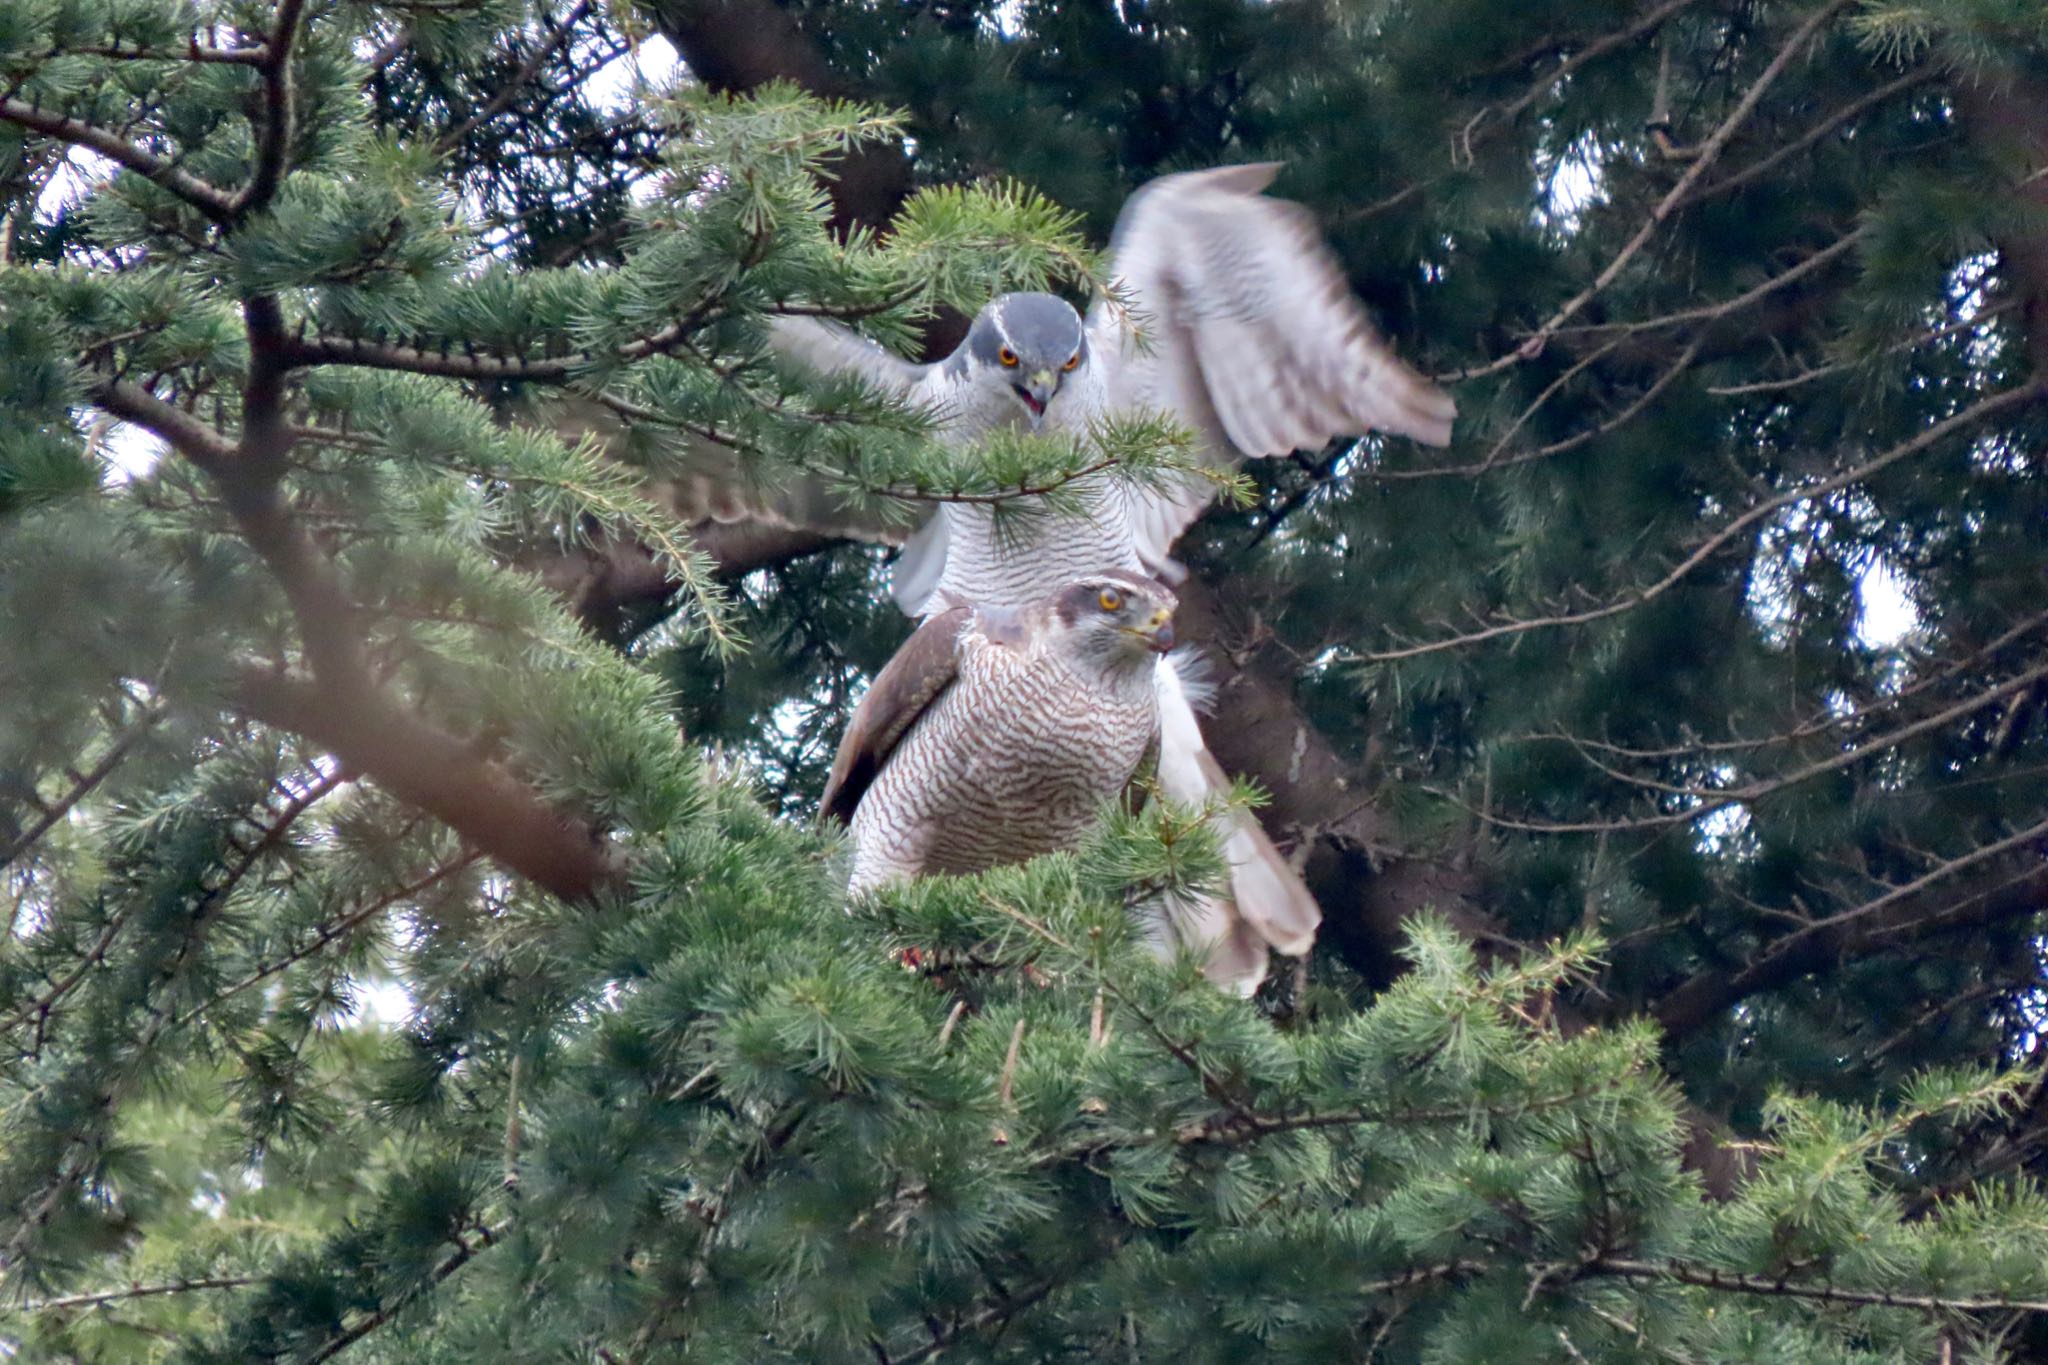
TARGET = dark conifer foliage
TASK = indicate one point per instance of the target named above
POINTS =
(469, 656)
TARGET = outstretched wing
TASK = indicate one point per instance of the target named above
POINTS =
(915, 676)
(700, 480)
(830, 348)
(1252, 335)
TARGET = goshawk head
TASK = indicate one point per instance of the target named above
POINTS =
(1113, 620)
(1031, 344)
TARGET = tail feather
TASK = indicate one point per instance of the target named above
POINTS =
(1268, 903)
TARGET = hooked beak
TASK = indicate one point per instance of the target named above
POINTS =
(1037, 393)
(1159, 632)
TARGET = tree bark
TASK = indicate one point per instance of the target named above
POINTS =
(2007, 116)
(740, 45)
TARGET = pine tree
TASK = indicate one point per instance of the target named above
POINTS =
(485, 622)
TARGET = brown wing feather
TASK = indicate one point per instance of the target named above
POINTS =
(921, 669)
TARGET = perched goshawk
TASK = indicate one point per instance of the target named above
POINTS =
(1253, 339)
(996, 734)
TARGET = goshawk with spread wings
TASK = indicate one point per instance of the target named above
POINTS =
(1254, 340)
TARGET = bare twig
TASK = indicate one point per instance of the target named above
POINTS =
(139, 1291)
(1948, 426)
(1709, 151)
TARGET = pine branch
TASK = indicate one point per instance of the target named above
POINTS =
(196, 51)
(1704, 996)
(439, 774)
(327, 934)
(1494, 458)
(466, 1251)
(1821, 721)
(995, 1315)
(82, 788)
(1547, 84)
(279, 124)
(1492, 120)
(1712, 799)
(1709, 152)
(742, 45)
(1855, 108)
(1714, 312)
(1708, 1278)
(560, 32)
(180, 430)
(40, 1008)
(1969, 324)
(343, 709)
(139, 1291)
(377, 355)
(1969, 416)
(62, 1170)
(209, 199)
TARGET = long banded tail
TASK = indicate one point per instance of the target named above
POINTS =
(1268, 905)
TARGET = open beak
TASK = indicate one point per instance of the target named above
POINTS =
(1037, 393)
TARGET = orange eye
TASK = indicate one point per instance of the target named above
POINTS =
(1008, 357)
(1110, 599)
(1072, 361)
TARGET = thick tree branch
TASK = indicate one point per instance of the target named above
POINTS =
(279, 124)
(2009, 119)
(209, 199)
(1887, 921)
(343, 709)
(439, 774)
